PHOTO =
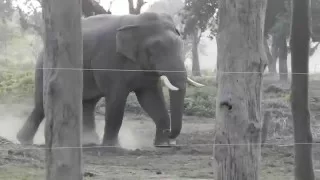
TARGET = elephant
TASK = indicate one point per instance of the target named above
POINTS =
(124, 54)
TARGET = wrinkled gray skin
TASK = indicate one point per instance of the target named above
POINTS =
(147, 41)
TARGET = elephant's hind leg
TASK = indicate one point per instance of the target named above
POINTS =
(152, 101)
(30, 127)
(26, 134)
(90, 135)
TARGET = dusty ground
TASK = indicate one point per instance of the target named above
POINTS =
(139, 160)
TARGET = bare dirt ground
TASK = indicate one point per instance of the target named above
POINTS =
(138, 159)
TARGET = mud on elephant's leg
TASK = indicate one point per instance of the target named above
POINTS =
(153, 102)
(90, 135)
(115, 105)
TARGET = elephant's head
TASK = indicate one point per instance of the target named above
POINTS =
(153, 41)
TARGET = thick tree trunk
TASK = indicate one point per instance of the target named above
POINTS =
(63, 89)
(283, 56)
(300, 36)
(237, 138)
(195, 54)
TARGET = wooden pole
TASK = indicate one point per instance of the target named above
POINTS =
(63, 89)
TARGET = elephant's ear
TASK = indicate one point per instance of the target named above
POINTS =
(127, 41)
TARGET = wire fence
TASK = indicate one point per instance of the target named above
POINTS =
(289, 144)
(159, 71)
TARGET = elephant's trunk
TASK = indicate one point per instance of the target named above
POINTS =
(177, 91)
(176, 109)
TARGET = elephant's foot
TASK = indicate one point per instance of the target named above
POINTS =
(114, 142)
(162, 139)
(25, 137)
(89, 138)
(24, 141)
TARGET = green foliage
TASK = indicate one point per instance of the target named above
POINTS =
(201, 102)
(18, 52)
(16, 84)
(198, 14)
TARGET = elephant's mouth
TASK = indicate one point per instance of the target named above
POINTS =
(170, 86)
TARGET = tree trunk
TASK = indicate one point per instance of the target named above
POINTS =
(195, 53)
(283, 54)
(299, 45)
(275, 55)
(271, 64)
(137, 9)
(265, 125)
(237, 138)
(63, 89)
(91, 7)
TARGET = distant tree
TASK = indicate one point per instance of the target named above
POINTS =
(277, 26)
(137, 8)
(6, 10)
(198, 16)
(315, 19)
(280, 32)
(92, 7)
(32, 19)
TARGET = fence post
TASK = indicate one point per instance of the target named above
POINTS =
(63, 88)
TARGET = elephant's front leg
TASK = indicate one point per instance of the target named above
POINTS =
(153, 102)
(90, 135)
(115, 105)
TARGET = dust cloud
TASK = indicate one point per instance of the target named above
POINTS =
(12, 117)
(131, 137)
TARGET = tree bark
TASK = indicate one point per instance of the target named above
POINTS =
(195, 53)
(299, 43)
(283, 57)
(237, 148)
(63, 89)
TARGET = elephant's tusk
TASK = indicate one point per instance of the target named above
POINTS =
(195, 83)
(168, 84)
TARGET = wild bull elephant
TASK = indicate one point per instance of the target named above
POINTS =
(115, 51)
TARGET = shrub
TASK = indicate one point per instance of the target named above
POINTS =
(16, 84)
(201, 102)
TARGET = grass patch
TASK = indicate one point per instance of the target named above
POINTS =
(21, 173)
